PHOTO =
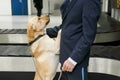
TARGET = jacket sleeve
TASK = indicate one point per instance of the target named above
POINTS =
(91, 13)
(52, 32)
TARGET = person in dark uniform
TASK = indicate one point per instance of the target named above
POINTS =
(38, 4)
(79, 27)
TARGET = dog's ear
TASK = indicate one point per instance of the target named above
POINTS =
(30, 32)
(48, 21)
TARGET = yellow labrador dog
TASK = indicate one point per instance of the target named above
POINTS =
(44, 49)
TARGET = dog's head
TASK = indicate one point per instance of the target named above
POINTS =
(36, 26)
(39, 23)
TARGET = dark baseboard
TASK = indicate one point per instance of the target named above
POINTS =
(30, 76)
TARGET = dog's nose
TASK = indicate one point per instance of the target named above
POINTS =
(39, 18)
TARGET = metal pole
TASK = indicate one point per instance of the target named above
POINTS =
(48, 7)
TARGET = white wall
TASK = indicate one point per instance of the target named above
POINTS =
(5, 7)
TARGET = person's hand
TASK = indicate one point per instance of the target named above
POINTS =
(68, 66)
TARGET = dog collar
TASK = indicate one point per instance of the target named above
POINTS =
(30, 43)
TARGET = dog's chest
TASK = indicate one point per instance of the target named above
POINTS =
(47, 57)
(45, 44)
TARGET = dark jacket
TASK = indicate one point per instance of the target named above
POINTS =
(79, 25)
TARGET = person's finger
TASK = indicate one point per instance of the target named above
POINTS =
(64, 67)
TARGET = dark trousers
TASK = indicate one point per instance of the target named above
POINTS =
(79, 73)
(39, 11)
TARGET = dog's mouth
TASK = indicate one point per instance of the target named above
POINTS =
(39, 18)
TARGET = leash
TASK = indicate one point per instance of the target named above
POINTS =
(60, 75)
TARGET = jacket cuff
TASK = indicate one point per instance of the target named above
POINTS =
(72, 61)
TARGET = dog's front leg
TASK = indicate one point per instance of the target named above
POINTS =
(37, 77)
(49, 78)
